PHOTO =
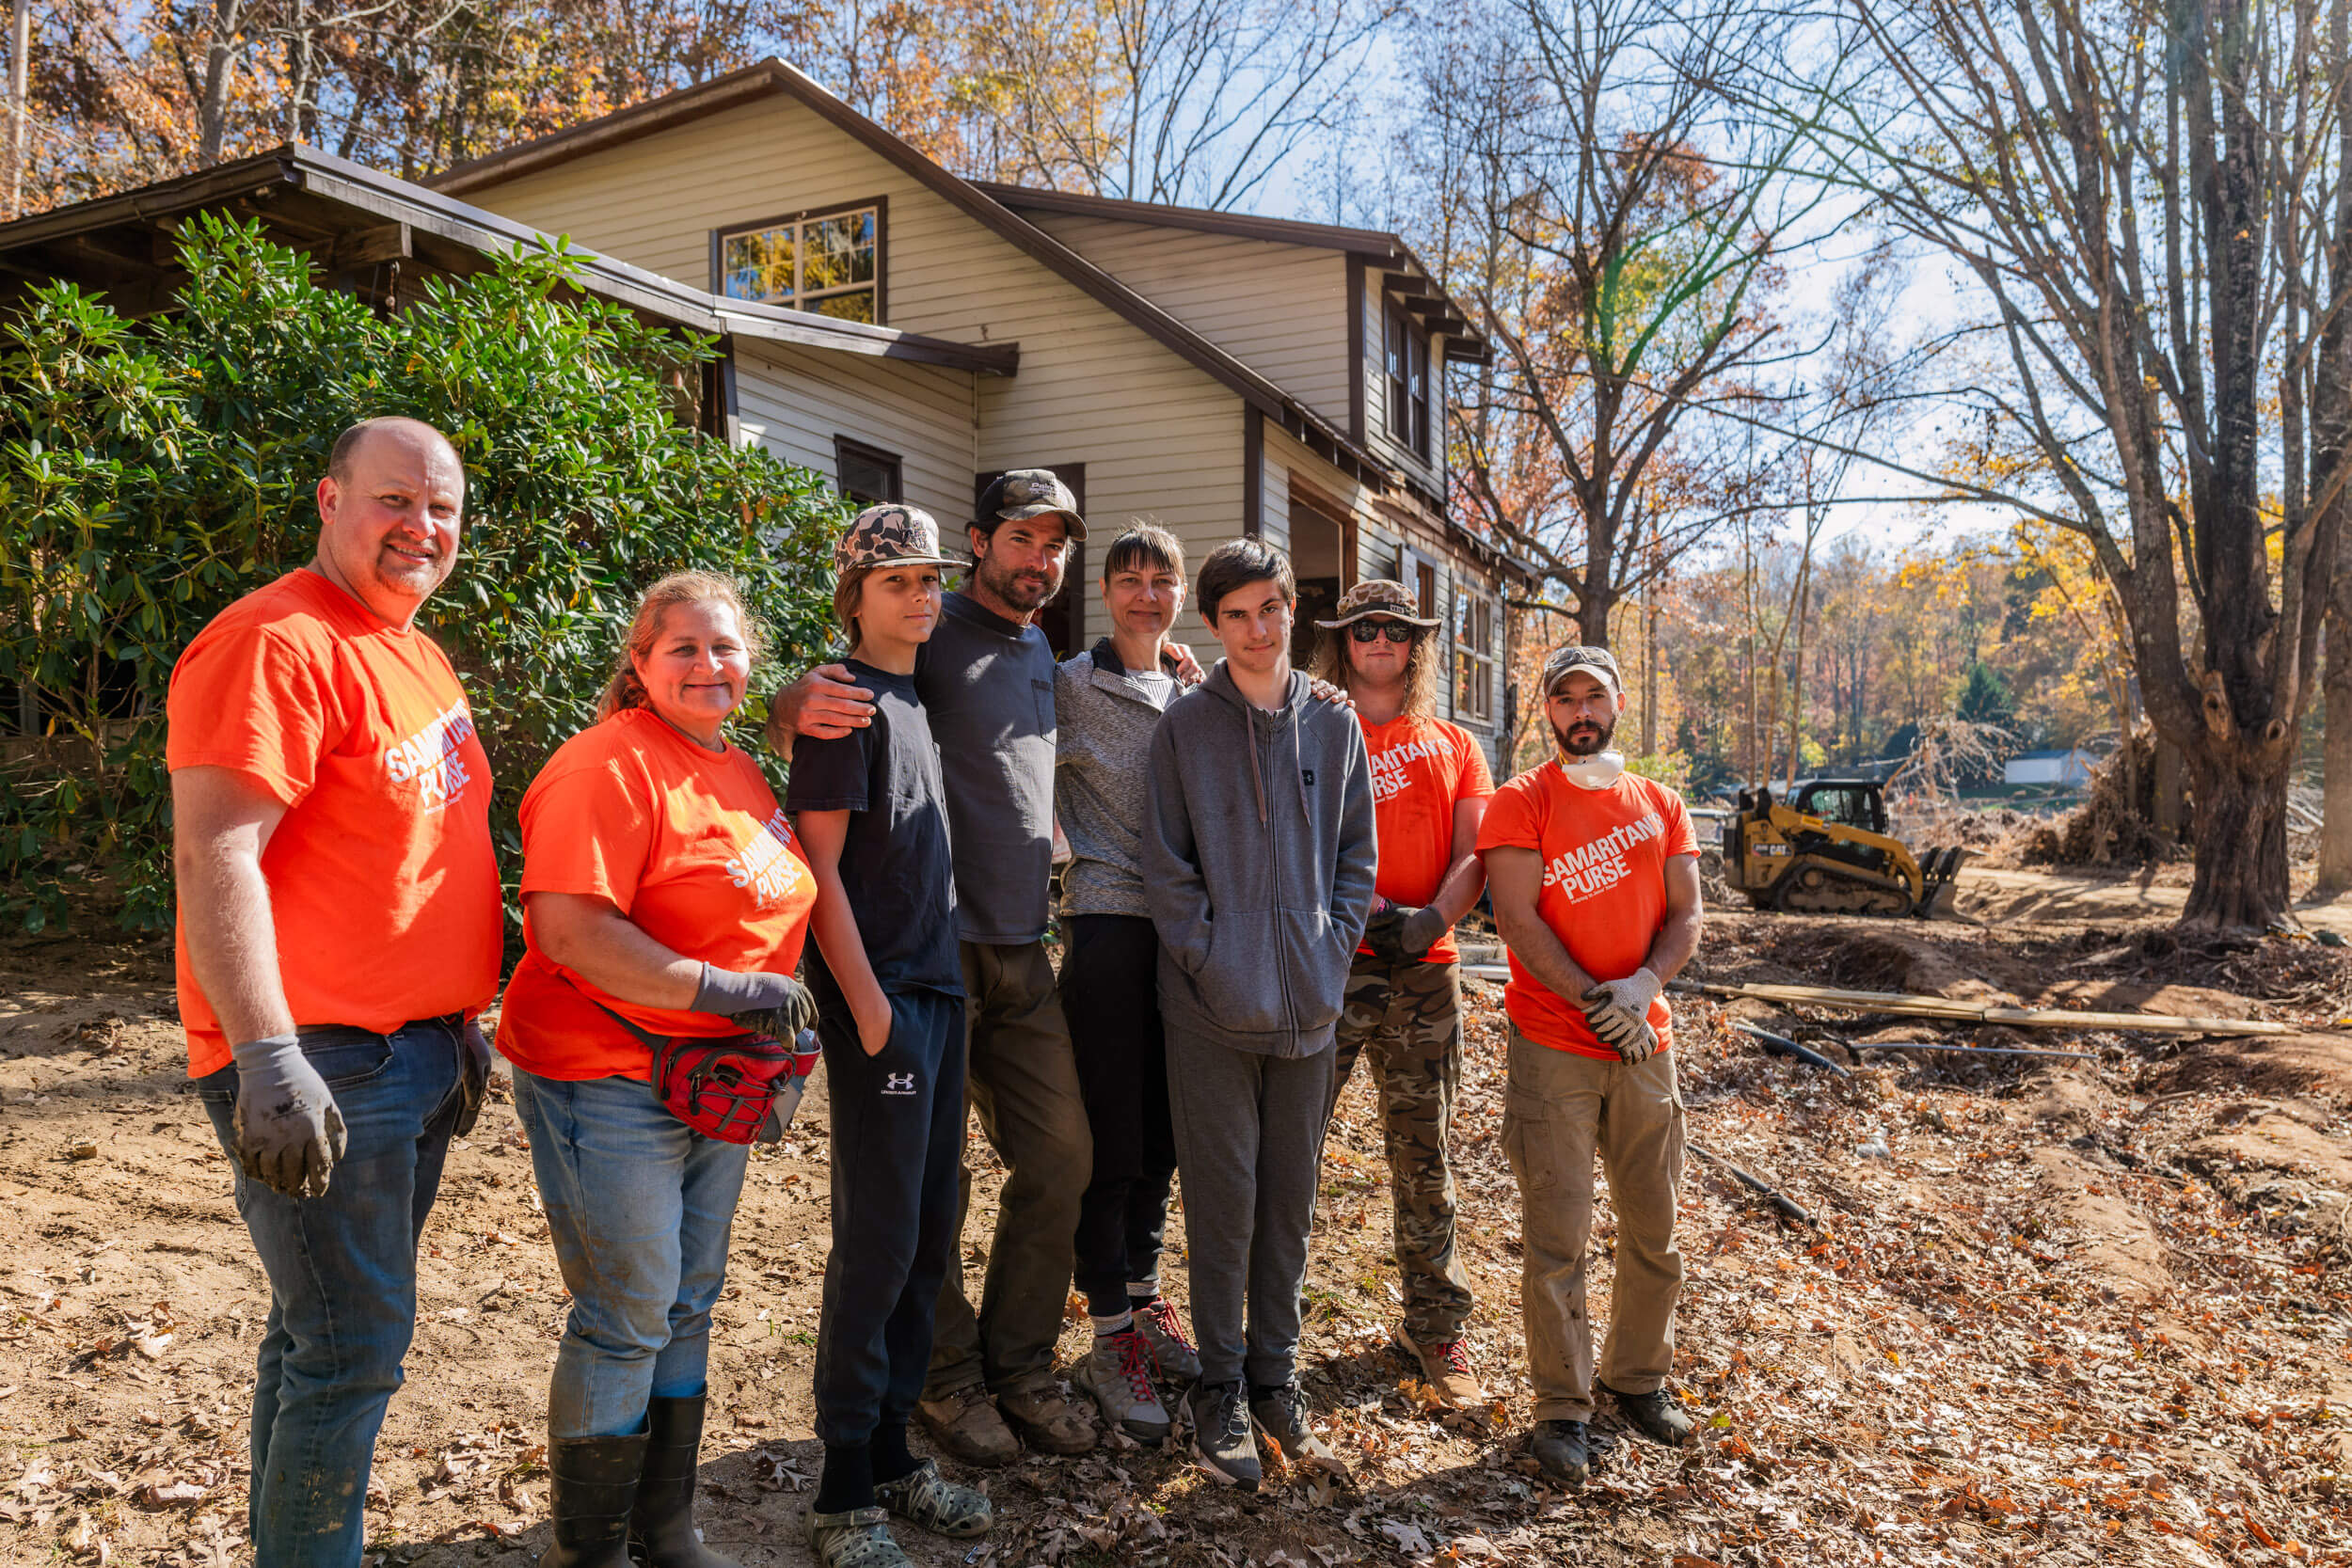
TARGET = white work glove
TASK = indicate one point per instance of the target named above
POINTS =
(1618, 1011)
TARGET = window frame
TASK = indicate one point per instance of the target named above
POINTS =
(1405, 378)
(1473, 655)
(846, 447)
(879, 205)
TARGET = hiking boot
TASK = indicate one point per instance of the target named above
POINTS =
(1653, 1414)
(857, 1539)
(1281, 1414)
(591, 1483)
(1048, 1422)
(1220, 1435)
(1172, 1352)
(923, 1497)
(965, 1424)
(1561, 1451)
(1445, 1367)
(663, 1518)
(1118, 1373)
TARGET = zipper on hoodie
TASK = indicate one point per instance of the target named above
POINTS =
(1274, 898)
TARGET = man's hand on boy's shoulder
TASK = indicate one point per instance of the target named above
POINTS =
(1324, 691)
(825, 705)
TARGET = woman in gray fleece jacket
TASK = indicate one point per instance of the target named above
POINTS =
(1258, 858)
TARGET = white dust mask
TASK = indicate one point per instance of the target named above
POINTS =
(1597, 771)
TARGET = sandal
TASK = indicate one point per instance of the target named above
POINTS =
(923, 1497)
(858, 1538)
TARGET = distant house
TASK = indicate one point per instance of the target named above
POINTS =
(2067, 768)
(911, 334)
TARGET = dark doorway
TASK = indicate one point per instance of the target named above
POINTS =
(1060, 620)
(1317, 559)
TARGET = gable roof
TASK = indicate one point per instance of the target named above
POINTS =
(773, 77)
(1375, 248)
(348, 215)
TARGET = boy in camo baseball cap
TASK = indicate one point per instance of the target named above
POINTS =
(881, 538)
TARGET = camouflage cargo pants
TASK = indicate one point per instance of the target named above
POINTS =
(1407, 1018)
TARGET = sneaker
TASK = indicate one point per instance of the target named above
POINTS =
(1653, 1414)
(966, 1424)
(1220, 1435)
(1281, 1414)
(1172, 1352)
(1118, 1373)
(857, 1539)
(1560, 1452)
(1445, 1367)
(1048, 1422)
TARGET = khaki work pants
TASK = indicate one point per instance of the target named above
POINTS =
(1560, 1110)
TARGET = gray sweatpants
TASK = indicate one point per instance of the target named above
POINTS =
(1248, 1146)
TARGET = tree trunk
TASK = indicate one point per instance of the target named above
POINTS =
(2240, 833)
(2335, 834)
(2171, 810)
(20, 103)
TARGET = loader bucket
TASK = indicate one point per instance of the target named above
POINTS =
(1940, 871)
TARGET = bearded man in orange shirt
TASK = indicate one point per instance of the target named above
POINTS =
(339, 929)
(1596, 884)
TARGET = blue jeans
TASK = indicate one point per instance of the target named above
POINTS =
(342, 1281)
(640, 1206)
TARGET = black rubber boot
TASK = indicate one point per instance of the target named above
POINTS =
(664, 1520)
(591, 1483)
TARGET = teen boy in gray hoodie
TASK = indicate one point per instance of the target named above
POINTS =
(1259, 858)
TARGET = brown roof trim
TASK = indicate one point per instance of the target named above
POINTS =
(1378, 249)
(1327, 236)
(774, 75)
(362, 189)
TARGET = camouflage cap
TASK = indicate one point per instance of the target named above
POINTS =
(1378, 597)
(890, 536)
(1567, 660)
(1031, 493)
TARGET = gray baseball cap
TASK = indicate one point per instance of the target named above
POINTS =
(1599, 662)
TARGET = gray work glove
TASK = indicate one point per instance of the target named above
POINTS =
(476, 1069)
(289, 1134)
(1618, 1011)
(776, 1006)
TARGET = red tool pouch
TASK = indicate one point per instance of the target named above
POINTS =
(725, 1088)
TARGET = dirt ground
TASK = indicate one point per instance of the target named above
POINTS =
(2047, 1310)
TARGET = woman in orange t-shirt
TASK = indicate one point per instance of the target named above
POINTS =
(663, 889)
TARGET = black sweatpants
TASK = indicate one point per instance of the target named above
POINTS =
(898, 1145)
(1111, 995)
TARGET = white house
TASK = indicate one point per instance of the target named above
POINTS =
(2071, 769)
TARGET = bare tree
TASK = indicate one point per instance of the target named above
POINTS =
(2152, 198)
(1621, 231)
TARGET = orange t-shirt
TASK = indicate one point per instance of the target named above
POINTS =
(1421, 769)
(384, 887)
(689, 844)
(1604, 892)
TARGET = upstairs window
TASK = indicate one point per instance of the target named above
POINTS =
(828, 262)
(1474, 657)
(1406, 367)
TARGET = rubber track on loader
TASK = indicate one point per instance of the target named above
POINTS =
(1815, 885)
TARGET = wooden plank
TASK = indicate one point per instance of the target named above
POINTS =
(368, 248)
(1904, 1005)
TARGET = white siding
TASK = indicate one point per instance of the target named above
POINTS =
(1282, 310)
(795, 401)
(1159, 436)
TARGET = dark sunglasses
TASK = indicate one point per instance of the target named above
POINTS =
(1372, 631)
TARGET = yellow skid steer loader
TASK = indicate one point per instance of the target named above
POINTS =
(1824, 849)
